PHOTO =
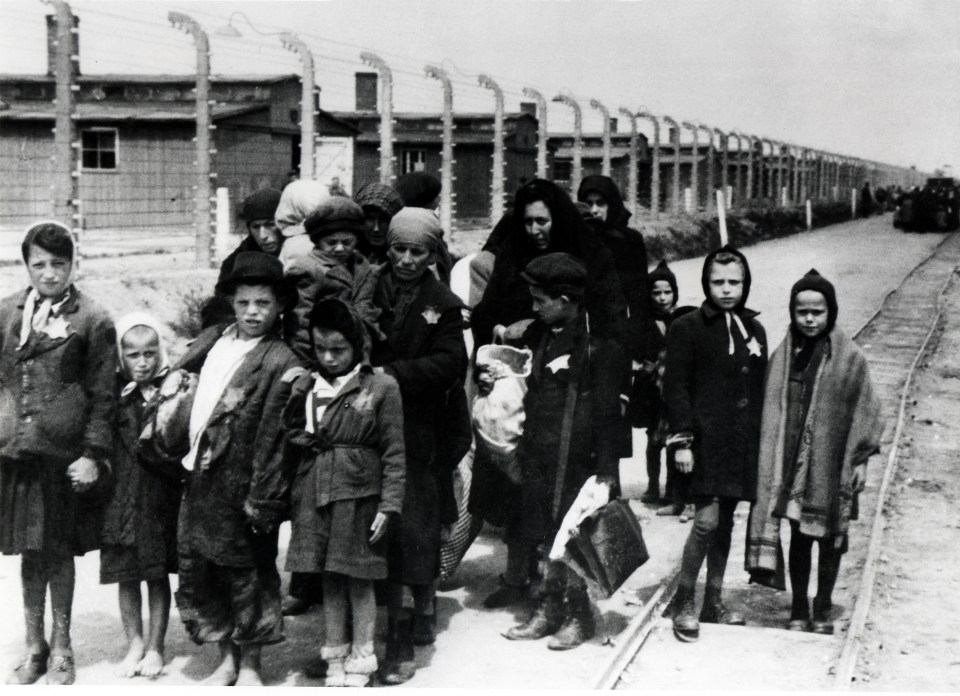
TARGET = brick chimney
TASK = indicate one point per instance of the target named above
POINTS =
(528, 108)
(613, 125)
(52, 47)
(366, 91)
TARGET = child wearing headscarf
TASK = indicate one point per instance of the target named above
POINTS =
(379, 203)
(821, 423)
(298, 200)
(58, 363)
(346, 424)
(139, 530)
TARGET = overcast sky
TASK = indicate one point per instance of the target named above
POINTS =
(877, 79)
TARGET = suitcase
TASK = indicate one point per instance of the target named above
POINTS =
(608, 546)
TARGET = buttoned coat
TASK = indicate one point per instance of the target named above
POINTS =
(240, 460)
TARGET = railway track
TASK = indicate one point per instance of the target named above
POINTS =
(895, 339)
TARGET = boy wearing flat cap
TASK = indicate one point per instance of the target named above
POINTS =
(236, 484)
(576, 384)
(334, 269)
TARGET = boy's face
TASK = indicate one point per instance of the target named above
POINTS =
(551, 311)
(267, 235)
(810, 313)
(256, 308)
(662, 295)
(339, 245)
(140, 351)
(333, 352)
(49, 273)
(726, 284)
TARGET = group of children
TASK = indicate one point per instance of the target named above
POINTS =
(306, 429)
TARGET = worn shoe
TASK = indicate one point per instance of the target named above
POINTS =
(651, 495)
(714, 611)
(506, 595)
(60, 670)
(689, 512)
(580, 625)
(31, 668)
(799, 625)
(400, 665)
(546, 620)
(316, 668)
(422, 629)
(294, 606)
(821, 617)
(686, 627)
(360, 666)
(822, 627)
(671, 510)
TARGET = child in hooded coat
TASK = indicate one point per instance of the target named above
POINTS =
(139, 531)
(713, 389)
(821, 423)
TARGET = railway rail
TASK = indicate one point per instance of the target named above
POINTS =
(895, 339)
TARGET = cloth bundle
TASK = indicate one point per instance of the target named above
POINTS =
(498, 416)
(464, 531)
(165, 439)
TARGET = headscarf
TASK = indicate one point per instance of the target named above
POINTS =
(299, 199)
(567, 225)
(39, 311)
(732, 316)
(130, 321)
(418, 189)
(663, 272)
(808, 347)
(617, 213)
(380, 196)
(415, 226)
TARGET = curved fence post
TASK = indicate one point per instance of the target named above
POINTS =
(694, 181)
(577, 174)
(633, 178)
(496, 188)
(541, 130)
(307, 122)
(446, 163)
(605, 161)
(676, 164)
(387, 168)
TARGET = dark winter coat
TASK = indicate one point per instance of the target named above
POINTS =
(142, 508)
(717, 397)
(358, 450)
(507, 298)
(425, 353)
(57, 393)
(596, 427)
(649, 353)
(317, 279)
(244, 440)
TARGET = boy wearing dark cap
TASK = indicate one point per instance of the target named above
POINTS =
(333, 269)
(713, 388)
(821, 423)
(571, 434)
(236, 485)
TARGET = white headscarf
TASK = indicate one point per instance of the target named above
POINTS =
(132, 320)
(37, 316)
(299, 199)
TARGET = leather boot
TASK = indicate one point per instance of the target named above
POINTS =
(399, 666)
(423, 629)
(579, 626)
(686, 627)
(544, 622)
(715, 612)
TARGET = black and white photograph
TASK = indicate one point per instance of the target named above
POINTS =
(480, 344)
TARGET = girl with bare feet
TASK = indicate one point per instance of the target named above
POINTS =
(58, 364)
(139, 529)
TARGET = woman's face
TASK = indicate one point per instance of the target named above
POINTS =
(537, 221)
(49, 273)
(409, 261)
(376, 224)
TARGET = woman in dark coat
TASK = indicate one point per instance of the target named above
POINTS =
(713, 388)
(545, 220)
(625, 243)
(425, 353)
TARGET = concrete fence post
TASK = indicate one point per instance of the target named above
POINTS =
(447, 161)
(541, 130)
(387, 169)
(307, 101)
(496, 189)
(711, 156)
(577, 174)
(654, 164)
(695, 151)
(203, 190)
(675, 207)
(605, 147)
(809, 215)
(724, 159)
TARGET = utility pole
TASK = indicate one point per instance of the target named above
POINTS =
(634, 174)
(496, 189)
(541, 130)
(577, 175)
(387, 169)
(203, 229)
(446, 164)
(676, 163)
(307, 101)
(655, 163)
(605, 162)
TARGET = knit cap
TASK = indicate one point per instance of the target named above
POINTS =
(558, 272)
(814, 281)
(418, 189)
(379, 196)
(260, 205)
(335, 214)
(415, 226)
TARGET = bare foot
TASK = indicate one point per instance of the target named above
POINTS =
(130, 667)
(151, 665)
(249, 677)
(226, 675)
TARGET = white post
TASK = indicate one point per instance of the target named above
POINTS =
(853, 203)
(783, 196)
(722, 217)
(222, 239)
(688, 200)
(729, 192)
(809, 215)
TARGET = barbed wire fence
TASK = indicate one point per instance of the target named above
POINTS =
(747, 170)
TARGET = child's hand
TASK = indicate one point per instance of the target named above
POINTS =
(684, 460)
(859, 481)
(379, 527)
(83, 474)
